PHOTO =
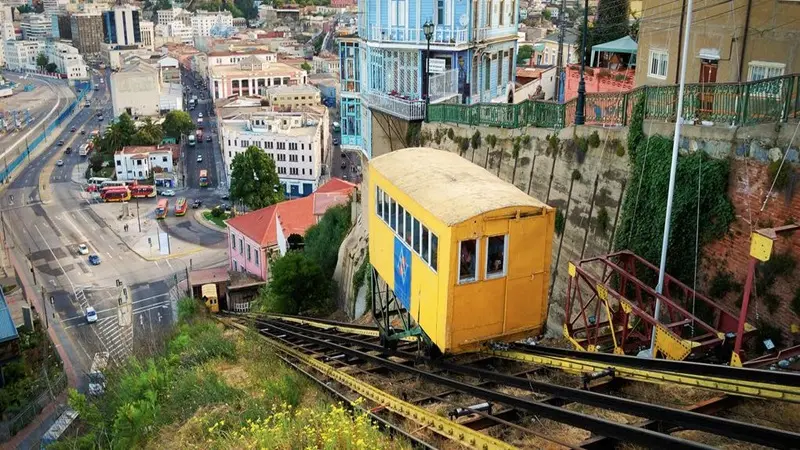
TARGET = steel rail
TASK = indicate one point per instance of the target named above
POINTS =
(691, 420)
(383, 424)
(590, 423)
(774, 377)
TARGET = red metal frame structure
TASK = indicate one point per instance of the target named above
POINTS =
(610, 307)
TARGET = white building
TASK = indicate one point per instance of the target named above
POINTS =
(294, 140)
(165, 16)
(21, 55)
(138, 162)
(136, 89)
(68, 60)
(174, 32)
(36, 27)
(148, 35)
(52, 7)
(6, 29)
(204, 21)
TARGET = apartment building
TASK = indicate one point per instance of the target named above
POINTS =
(147, 29)
(250, 75)
(146, 86)
(204, 22)
(68, 60)
(21, 55)
(87, 32)
(294, 140)
(121, 26)
(473, 51)
(288, 97)
(139, 162)
(730, 42)
(36, 27)
(6, 29)
(167, 16)
(175, 32)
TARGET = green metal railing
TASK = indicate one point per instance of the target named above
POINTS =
(764, 101)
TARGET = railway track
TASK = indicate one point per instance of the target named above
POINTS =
(479, 408)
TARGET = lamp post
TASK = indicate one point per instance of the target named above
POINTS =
(580, 105)
(427, 29)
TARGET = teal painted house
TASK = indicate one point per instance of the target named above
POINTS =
(473, 53)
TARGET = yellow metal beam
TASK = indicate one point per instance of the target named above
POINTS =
(451, 430)
(734, 387)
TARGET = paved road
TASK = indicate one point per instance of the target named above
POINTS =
(48, 236)
(40, 101)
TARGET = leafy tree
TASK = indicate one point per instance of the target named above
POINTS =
(546, 14)
(148, 134)
(42, 61)
(525, 52)
(306, 66)
(254, 179)
(177, 123)
(322, 240)
(51, 68)
(611, 23)
(298, 285)
(96, 161)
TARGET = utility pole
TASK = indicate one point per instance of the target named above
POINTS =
(138, 219)
(580, 105)
(560, 60)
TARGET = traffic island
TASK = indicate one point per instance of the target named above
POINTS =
(206, 218)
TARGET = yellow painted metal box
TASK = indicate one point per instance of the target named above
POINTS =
(465, 252)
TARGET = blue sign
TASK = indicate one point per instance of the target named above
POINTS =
(402, 273)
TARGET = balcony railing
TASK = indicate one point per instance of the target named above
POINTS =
(765, 101)
(482, 34)
(444, 85)
(395, 105)
(441, 35)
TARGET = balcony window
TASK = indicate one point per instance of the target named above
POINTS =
(659, 60)
(467, 257)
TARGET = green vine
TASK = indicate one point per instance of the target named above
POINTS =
(360, 277)
(560, 222)
(642, 216)
(476, 140)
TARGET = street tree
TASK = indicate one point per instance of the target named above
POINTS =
(42, 61)
(254, 179)
(24, 9)
(306, 66)
(51, 68)
(525, 52)
(298, 285)
(612, 22)
(177, 123)
(149, 133)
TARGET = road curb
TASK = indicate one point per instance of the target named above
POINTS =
(198, 215)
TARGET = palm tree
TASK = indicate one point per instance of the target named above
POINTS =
(150, 128)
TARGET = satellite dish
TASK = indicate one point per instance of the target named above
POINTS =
(463, 21)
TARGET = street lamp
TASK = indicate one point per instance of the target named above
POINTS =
(427, 29)
(580, 105)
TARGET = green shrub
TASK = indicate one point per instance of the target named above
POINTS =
(603, 220)
(796, 302)
(560, 222)
(619, 149)
(476, 140)
(491, 140)
(723, 283)
(594, 140)
(450, 134)
(576, 175)
(217, 212)
(780, 178)
(188, 307)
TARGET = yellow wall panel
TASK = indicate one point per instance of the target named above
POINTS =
(477, 311)
(524, 303)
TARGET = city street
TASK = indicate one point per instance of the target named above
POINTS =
(47, 236)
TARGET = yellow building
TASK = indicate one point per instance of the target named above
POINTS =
(466, 254)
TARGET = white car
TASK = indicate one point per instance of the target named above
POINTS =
(83, 249)
(168, 193)
(91, 315)
(199, 158)
(60, 163)
(200, 115)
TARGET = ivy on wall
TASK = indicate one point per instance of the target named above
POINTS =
(642, 216)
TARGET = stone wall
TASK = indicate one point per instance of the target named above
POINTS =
(352, 253)
(585, 187)
(579, 186)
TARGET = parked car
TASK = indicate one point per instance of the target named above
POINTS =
(225, 207)
(226, 196)
(100, 118)
(73, 129)
(200, 115)
(60, 142)
(83, 249)
(197, 203)
(94, 260)
(91, 315)
(168, 193)
(83, 131)
(60, 162)
(335, 141)
(199, 158)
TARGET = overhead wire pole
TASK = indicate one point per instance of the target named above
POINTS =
(560, 60)
(672, 174)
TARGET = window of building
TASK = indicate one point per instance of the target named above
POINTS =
(496, 256)
(163, 159)
(487, 73)
(256, 257)
(393, 214)
(425, 245)
(233, 242)
(502, 12)
(248, 252)
(294, 171)
(292, 158)
(119, 163)
(269, 145)
(292, 145)
(434, 252)
(659, 59)
(138, 162)
(281, 157)
(499, 58)
(235, 266)
(759, 70)
(467, 259)
(241, 247)
(440, 12)
(397, 13)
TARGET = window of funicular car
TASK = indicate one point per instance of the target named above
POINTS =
(496, 250)
(467, 257)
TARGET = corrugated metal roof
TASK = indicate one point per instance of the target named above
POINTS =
(8, 331)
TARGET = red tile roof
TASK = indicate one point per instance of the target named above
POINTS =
(295, 216)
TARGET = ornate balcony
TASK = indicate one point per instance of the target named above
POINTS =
(406, 35)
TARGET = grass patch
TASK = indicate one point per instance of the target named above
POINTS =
(213, 388)
(217, 220)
